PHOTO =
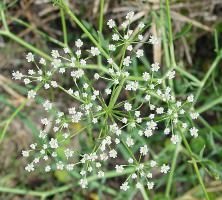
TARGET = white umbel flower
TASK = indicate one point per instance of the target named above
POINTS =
(164, 168)
(144, 150)
(53, 143)
(127, 106)
(111, 23)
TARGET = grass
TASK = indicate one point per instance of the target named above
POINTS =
(178, 154)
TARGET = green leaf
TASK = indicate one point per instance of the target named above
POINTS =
(185, 29)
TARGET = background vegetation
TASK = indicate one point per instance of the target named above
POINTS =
(39, 26)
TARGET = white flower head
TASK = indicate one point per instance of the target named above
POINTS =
(144, 150)
(111, 23)
(78, 43)
(194, 132)
(127, 106)
(31, 94)
(17, 75)
(30, 57)
(154, 40)
(164, 168)
(53, 143)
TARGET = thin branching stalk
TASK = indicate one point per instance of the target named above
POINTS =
(194, 162)
(64, 28)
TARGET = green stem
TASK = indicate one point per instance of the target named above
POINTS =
(100, 27)
(209, 105)
(46, 194)
(65, 39)
(188, 75)
(209, 72)
(36, 193)
(41, 33)
(116, 95)
(143, 192)
(101, 16)
(194, 164)
(111, 174)
(165, 47)
(11, 118)
(25, 44)
(84, 29)
(170, 35)
(172, 170)
(4, 22)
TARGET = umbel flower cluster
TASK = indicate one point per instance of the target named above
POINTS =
(109, 119)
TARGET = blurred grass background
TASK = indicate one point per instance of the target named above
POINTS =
(37, 24)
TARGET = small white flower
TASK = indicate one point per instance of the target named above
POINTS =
(164, 168)
(112, 47)
(111, 23)
(160, 110)
(68, 153)
(194, 115)
(127, 106)
(31, 94)
(154, 40)
(171, 74)
(110, 61)
(66, 50)
(130, 160)
(45, 121)
(83, 183)
(155, 67)
(17, 75)
(47, 168)
(129, 141)
(55, 53)
(144, 150)
(108, 91)
(42, 61)
(47, 105)
(53, 143)
(27, 81)
(175, 139)
(101, 174)
(29, 167)
(33, 146)
(94, 120)
(94, 51)
(46, 86)
(140, 37)
(139, 53)
(130, 15)
(82, 62)
(130, 48)
(147, 97)
(112, 154)
(78, 43)
(30, 57)
(153, 163)
(124, 186)
(119, 168)
(141, 25)
(190, 98)
(127, 61)
(115, 37)
(96, 76)
(166, 131)
(25, 153)
(150, 185)
(54, 84)
(60, 165)
(146, 76)
(194, 132)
